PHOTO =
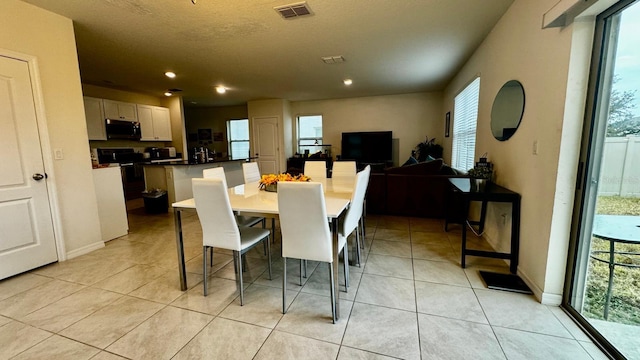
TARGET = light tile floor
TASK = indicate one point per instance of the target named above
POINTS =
(410, 299)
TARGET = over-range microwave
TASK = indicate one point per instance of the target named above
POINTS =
(121, 129)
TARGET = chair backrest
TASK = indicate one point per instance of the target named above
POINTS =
(303, 221)
(354, 213)
(251, 172)
(343, 168)
(316, 170)
(215, 173)
(218, 223)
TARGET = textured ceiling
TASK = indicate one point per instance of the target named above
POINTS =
(390, 46)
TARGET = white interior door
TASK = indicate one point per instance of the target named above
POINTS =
(26, 228)
(266, 140)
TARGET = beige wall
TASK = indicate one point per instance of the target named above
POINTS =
(30, 30)
(214, 118)
(178, 134)
(411, 117)
(119, 95)
(279, 108)
(517, 48)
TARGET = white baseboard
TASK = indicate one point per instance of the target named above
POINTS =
(541, 296)
(537, 292)
(85, 249)
(551, 299)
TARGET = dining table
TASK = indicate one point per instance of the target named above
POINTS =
(250, 200)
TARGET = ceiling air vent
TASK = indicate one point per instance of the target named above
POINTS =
(293, 10)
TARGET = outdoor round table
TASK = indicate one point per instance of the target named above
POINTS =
(615, 229)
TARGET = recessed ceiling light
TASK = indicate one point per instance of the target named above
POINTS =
(221, 89)
(170, 74)
(168, 93)
(347, 82)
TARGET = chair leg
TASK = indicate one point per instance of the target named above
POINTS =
(345, 259)
(364, 216)
(211, 249)
(301, 266)
(239, 276)
(357, 246)
(268, 243)
(284, 286)
(245, 264)
(305, 268)
(361, 222)
(273, 230)
(333, 295)
(264, 226)
(204, 269)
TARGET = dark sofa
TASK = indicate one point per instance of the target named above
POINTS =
(419, 190)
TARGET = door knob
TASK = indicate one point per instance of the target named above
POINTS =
(38, 177)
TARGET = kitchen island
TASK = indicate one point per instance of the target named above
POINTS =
(175, 176)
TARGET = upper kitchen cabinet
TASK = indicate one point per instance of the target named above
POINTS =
(120, 110)
(155, 123)
(94, 114)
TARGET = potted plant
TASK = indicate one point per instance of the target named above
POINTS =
(483, 172)
(428, 148)
(479, 177)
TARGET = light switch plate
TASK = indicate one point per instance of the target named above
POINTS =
(58, 154)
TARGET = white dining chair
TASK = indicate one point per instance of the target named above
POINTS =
(241, 220)
(218, 172)
(251, 172)
(343, 168)
(219, 227)
(353, 218)
(316, 170)
(305, 230)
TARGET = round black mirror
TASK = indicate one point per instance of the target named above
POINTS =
(507, 110)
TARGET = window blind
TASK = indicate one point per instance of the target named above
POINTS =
(465, 121)
(238, 135)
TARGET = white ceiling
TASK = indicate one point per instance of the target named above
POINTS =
(390, 46)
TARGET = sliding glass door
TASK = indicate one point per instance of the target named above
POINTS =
(603, 288)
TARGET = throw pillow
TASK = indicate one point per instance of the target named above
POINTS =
(410, 161)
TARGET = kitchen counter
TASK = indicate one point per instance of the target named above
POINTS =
(175, 176)
(169, 162)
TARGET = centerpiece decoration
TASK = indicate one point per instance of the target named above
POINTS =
(481, 174)
(269, 182)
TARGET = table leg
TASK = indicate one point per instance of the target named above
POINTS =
(335, 265)
(515, 236)
(612, 266)
(177, 215)
(464, 244)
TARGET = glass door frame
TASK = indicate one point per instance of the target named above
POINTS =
(593, 134)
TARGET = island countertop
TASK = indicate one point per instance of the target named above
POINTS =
(188, 163)
(175, 176)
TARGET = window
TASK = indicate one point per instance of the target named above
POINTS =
(465, 119)
(309, 133)
(238, 135)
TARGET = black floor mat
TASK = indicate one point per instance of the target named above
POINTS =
(507, 282)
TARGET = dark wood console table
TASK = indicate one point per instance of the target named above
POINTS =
(492, 193)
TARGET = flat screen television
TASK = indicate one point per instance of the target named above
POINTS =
(367, 147)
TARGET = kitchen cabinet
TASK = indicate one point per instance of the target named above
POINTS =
(155, 123)
(120, 110)
(94, 114)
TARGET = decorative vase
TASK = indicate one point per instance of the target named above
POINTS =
(478, 184)
(271, 187)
